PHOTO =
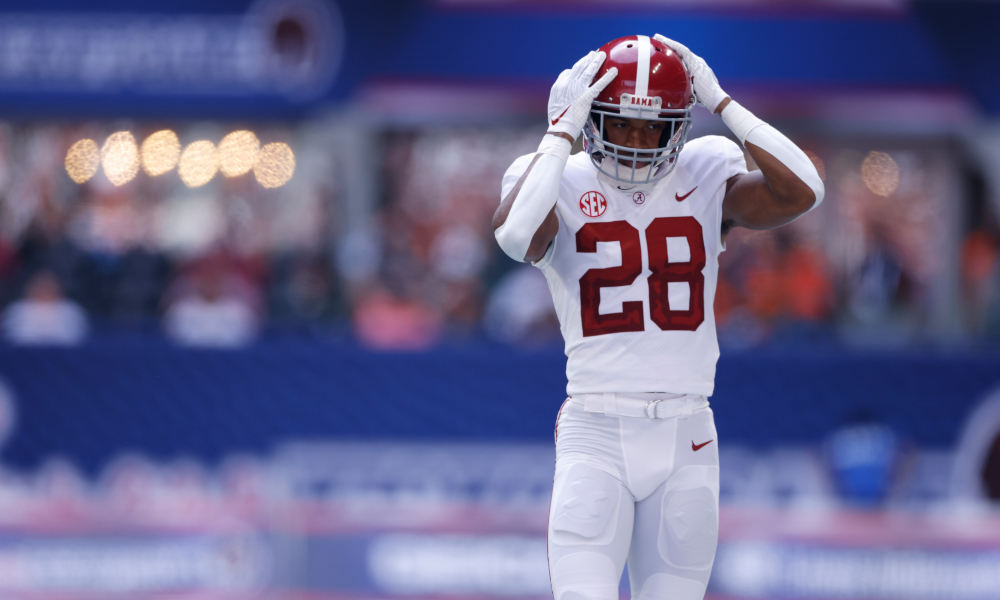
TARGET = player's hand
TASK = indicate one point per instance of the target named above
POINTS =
(572, 95)
(706, 86)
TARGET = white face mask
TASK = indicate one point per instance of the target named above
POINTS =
(646, 165)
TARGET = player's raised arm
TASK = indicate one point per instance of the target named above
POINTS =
(787, 185)
(525, 223)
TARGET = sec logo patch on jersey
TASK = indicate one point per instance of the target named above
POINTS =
(593, 204)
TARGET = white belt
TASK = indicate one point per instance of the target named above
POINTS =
(652, 406)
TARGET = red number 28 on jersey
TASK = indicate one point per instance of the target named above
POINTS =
(663, 272)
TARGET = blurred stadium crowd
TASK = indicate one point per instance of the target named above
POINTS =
(209, 262)
(884, 261)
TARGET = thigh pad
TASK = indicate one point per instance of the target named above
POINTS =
(690, 527)
(586, 503)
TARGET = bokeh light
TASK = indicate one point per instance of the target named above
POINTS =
(880, 173)
(199, 163)
(237, 153)
(160, 152)
(275, 165)
(120, 157)
(818, 163)
(83, 160)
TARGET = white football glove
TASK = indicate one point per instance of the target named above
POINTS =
(706, 86)
(572, 95)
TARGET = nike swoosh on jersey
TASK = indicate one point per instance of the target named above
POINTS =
(697, 447)
(556, 120)
(681, 198)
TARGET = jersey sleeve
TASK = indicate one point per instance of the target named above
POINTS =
(712, 160)
(714, 157)
(514, 172)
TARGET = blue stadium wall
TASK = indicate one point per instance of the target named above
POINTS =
(927, 45)
(93, 403)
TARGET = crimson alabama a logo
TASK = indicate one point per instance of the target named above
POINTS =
(593, 204)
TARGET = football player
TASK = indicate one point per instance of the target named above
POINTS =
(628, 234)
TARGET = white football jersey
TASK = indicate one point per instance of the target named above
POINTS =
(633, 271)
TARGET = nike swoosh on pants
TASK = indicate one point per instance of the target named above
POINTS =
(697, 447)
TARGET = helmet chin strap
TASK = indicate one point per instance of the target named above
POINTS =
(639, 175)
(611, 181)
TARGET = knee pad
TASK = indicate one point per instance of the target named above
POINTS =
(689, 528)
(665, 585)
(586, 501)
(585, 576)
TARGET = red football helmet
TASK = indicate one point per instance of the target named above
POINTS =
(652, 84)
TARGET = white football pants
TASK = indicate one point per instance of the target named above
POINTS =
(637, 488)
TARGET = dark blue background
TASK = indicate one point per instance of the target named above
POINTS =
(151, 398)
(931, 45)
